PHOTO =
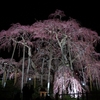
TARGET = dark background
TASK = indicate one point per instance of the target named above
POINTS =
(27, 12)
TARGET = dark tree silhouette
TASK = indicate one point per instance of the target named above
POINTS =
(61, 51)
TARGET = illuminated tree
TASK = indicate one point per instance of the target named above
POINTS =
(58, 51)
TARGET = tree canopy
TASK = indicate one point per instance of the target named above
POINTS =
(66, 48)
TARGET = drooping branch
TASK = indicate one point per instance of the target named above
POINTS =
(22, 81)
(70, 58)
(29, 61)
(42, 72)
(4, 79)
(49, 68)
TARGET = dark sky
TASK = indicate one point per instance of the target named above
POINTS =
(27, 12)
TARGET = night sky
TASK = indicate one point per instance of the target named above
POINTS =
(28, 12)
